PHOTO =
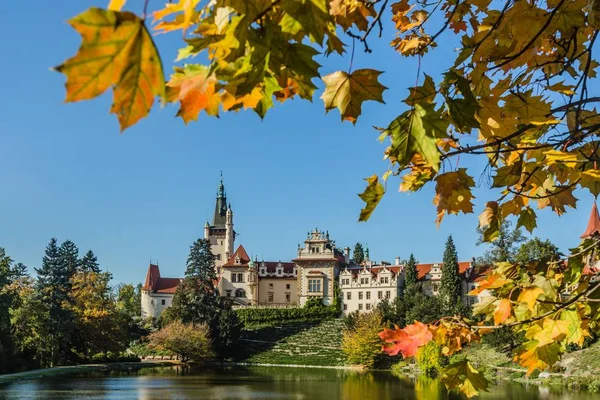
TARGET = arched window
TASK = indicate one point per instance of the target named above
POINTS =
(240, 293)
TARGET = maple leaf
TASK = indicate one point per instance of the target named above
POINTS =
(351, 12)
(535, 357)
(194, 87)
(453, 193)
(406, 341)
(186, 10)
(371, 196)
(493, 281)
(422, 94)
(590, 179)
(116, 5)
(489, 222)
(527, 219)
(463, 376)
(551, 331)
(307, 16)
(118, 51)
(529, 295)
(415, 132)
(347, 92)
(502, 312)
(576, 332)
(458, 26)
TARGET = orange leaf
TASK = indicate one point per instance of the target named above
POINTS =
(406, 341)
(502, 311)
(195, 90)
(458, 26)
(493, 281)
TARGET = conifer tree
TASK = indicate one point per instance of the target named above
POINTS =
(89, 263)
(411, 275)
(358, 255)
(69, 257)
(53, 287)
(450, 290)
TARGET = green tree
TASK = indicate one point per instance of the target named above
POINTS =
(228, 331)
(53, 288)
(450, 289)
(359, 254)
(69, 257)
(537, 250)
(129, 300)
(411, 275)
(6, 300)
(187, 341)
(89, 263)
(423, 308)
(361, 342)
(503, 248)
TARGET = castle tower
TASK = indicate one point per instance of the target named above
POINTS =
(592, 232)
(220, 233)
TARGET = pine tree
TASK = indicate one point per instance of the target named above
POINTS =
(89, 263)
(196, 299)
(411, 275)
(53, 287)
(358, 255)
(450, 290)
(69, 257)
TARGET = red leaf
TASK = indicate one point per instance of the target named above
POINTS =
(406, 341)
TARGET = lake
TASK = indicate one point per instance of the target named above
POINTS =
(183, 383)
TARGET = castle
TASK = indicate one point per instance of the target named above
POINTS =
(317, 270)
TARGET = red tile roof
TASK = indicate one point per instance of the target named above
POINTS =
(424, 269)
(241, 253)
(157, 284)
(593, 227)
(271, 266)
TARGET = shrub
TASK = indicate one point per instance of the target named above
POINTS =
(504, 340)
(188, 341)
(314, 310)
(429, 358)
(362, 344)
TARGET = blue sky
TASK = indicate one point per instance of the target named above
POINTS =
(65, 170)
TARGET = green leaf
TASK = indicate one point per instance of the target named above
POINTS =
(309, 17)
(415, 132)
(422, 94)
(463, 376)
(527, 219)
(508, 175)
(463, 113)
(371, 196)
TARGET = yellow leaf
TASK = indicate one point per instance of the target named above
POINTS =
(347, 92)
(116, 5)
(529, 295)
(118, 51)
(489, 221)
(371, 196)
(552, 331)
(195, 89)
(186, 18)
(351, 12)
(453, 193)
(576, 332)
(590, 179)
(533, 356)
(502, 312)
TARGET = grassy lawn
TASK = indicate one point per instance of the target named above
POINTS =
(294, 343)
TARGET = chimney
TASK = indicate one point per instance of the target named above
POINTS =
(347, 255)
(397, 260)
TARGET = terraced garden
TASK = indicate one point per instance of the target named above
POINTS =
(294, 343)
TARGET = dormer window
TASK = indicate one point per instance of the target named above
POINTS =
(279, 271)
(237, 260)
(262, 271)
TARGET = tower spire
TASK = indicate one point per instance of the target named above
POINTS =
(593, 227)
(221, 204)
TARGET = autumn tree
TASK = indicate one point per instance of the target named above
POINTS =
(187, 341)
(99, 327)
(515, 95)
(358, 255)
(6, 345)
(361, 343)
(129, 299)
(411, 276)
(89, 263)
(450, 288)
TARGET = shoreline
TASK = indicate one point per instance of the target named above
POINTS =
(70, 369)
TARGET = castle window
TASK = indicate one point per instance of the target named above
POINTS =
(221, 243)
(345, 307)
(387, 294)
(360, 306)
(360, 295)
(349, 296)
(368, 306)
(288, 297)
(385, 279)
(368, 295)
(163, 302)
(380, 295)
(228, 293)
(234, 278)
(314, 285)
(240, 277)
(270, 286)
(270, 297)
(240, 293)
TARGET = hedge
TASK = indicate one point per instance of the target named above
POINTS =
(308, 313)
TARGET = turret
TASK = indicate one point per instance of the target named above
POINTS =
(206, 230)
(229, 233)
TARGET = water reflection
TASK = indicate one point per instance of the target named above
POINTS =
(182, 383)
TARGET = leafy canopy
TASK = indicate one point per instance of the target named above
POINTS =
(515, 95)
